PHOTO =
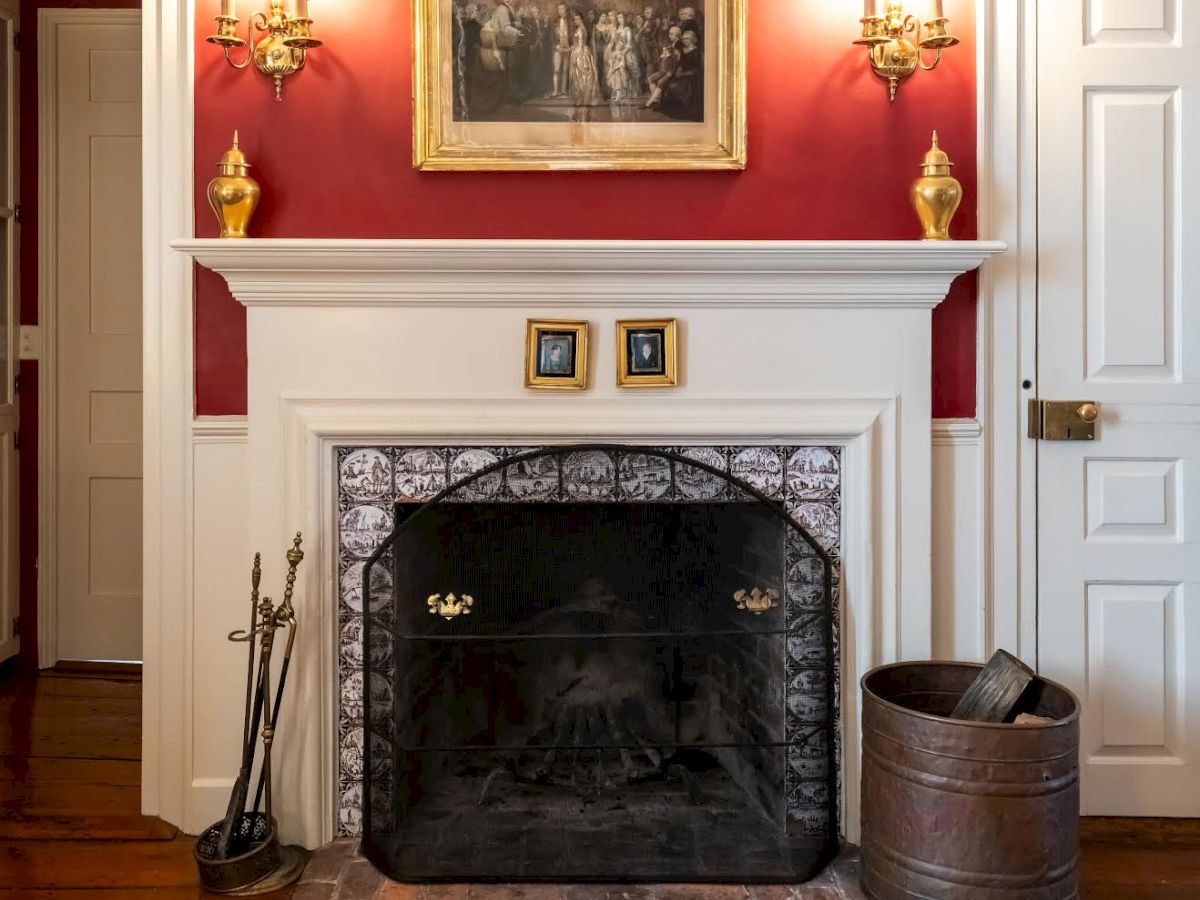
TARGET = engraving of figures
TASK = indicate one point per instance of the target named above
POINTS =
(813, 473)
(381, 586)
(541, 61)
(589, 475)
(533, 479)
(697, 484)
(420, 474)
(645, 477)
(366, 474)
(363, 529)
(759, 467)
(469, 462)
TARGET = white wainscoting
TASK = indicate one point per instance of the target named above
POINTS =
(221, 591)
(958, 512)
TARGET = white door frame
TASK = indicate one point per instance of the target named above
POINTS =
(168, 403)
(1006, 329)
(50, 21)
(1007, 79)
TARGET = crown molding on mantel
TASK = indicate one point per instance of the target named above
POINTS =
(562, 274)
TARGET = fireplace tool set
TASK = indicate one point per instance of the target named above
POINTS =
(241, 854)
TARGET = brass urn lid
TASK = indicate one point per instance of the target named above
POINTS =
(233, 161)
(936, 161)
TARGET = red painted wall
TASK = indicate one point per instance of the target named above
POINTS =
(829, 159)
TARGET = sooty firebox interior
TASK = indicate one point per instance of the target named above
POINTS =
(601, 691)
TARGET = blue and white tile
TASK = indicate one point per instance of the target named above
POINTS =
(352, 586)
(465, 463)
(589, 475)
(365, 473)
(420, 473)
(813, 473)
(695, 484)
(535, 478)
(759, 467)
(644, 477)
(820, 520)
(350, 808)
(363, 529)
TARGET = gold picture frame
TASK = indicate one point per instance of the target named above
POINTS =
(600, 134)
(556, 355)
(647, 353)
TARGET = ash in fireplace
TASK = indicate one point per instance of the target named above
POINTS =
(602, 709)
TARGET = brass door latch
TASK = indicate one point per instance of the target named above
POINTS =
(1063, 420)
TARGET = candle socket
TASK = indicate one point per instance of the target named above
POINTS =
(226, 35)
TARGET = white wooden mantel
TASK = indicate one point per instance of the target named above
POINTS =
(559, 274)
(388, 341)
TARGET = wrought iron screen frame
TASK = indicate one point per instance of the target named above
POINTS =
(409, 512)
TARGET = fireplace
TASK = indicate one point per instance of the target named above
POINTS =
(599, 663)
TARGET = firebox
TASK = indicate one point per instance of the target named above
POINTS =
(584, 688)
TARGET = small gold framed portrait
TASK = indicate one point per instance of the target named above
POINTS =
(556, 355)
(647, 353)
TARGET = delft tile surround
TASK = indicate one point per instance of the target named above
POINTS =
(371, 478)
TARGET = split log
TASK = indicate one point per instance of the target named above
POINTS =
(995, 690)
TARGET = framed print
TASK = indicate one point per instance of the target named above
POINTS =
(585, 84)
(556, 355)
(646, 353)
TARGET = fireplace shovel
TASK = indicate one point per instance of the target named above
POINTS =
(254, 699)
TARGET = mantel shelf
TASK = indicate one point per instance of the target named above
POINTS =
(564, 274)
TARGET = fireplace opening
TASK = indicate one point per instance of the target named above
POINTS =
(592, 689)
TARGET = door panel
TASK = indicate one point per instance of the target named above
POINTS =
(1118, 304)
(98, 334)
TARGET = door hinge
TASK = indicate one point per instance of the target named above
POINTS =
(1063, 420)
(17, 383)
(16, 625)
(17, 41)
(17, 439)
(17, 213)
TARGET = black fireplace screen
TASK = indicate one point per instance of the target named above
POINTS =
(591, 689)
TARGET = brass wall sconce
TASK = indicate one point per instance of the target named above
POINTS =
(282, 52)
(892, 55)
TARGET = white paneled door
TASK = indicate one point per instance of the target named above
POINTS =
(1119, 324)
(97, 329)
(9, 602)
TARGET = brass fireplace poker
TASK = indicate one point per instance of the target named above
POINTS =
(241, 855)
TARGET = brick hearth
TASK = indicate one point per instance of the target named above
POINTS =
(337, 872)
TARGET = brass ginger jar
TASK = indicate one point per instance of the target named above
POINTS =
(233, 194)
(937, 194)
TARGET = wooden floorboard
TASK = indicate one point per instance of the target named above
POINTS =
(71, 829)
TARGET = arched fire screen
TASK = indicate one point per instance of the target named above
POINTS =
(576, 688)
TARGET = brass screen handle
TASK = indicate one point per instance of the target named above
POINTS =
(450, 606)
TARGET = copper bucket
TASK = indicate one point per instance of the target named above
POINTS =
(966, 810)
